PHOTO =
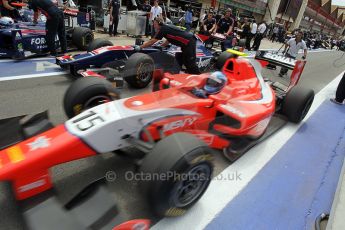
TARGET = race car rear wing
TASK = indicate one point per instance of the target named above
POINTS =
(276, 59)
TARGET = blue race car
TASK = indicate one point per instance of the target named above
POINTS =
(24, 39)
(116, 63)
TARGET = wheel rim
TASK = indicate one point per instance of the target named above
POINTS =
(192, 184)
(88, 39)
(96, 100)
(145, 72)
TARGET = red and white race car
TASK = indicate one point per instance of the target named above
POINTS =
(172, 126)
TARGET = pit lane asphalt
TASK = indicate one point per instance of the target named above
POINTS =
(28, 96)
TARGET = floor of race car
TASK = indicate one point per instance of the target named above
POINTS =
(37, 93)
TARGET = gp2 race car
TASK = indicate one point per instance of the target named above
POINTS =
(180, 167)
(171, 125)
(116, 63)
(24, 39)
(248, 109)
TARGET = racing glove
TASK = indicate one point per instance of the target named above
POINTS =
(137, 48)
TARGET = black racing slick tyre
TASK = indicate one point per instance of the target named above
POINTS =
(176, 173)
(223, 57)
(85, 93)
(82, 37)
(297, 103)
(139, 70)
(98, 43)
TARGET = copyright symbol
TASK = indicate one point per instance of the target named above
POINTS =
(110, 176)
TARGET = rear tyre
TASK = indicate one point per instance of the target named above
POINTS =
(98, 43)
(187, 164)
(223, 57)
(139, 70)
(297, 103)
(88, 92)
(82, 37)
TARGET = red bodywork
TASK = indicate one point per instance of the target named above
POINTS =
(242, 109)
(236, 111)
(27, 164)
(138, 224)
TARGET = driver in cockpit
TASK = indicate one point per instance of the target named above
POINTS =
(214, 84)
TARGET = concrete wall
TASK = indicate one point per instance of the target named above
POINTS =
(271, 13)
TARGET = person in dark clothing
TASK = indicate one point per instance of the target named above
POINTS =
(245, 29)
(8, 10)
(209, 25)
(178, 37)
(147, 8)
(55, 23)
(225, 26)
(114, 17)
(340, 93)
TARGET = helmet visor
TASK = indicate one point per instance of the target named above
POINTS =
(213, 82)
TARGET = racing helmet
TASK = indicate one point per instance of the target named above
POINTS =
(6, 21)
(215, 82)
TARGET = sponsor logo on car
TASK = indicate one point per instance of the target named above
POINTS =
(39, 143)
(204, 63)
(279, 58)
(179, 123)
(38, 41)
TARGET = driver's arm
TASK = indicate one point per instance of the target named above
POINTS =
(149, 43)
(7, 5)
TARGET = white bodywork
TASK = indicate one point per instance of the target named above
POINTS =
(103, 127)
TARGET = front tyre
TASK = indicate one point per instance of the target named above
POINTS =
(98, 43)
(88, 92)
(82, 37)
(178, 172)
(139, 70)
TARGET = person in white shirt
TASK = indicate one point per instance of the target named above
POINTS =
(253, 29)
(259, 35)
(291, 50)
(156, 12)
